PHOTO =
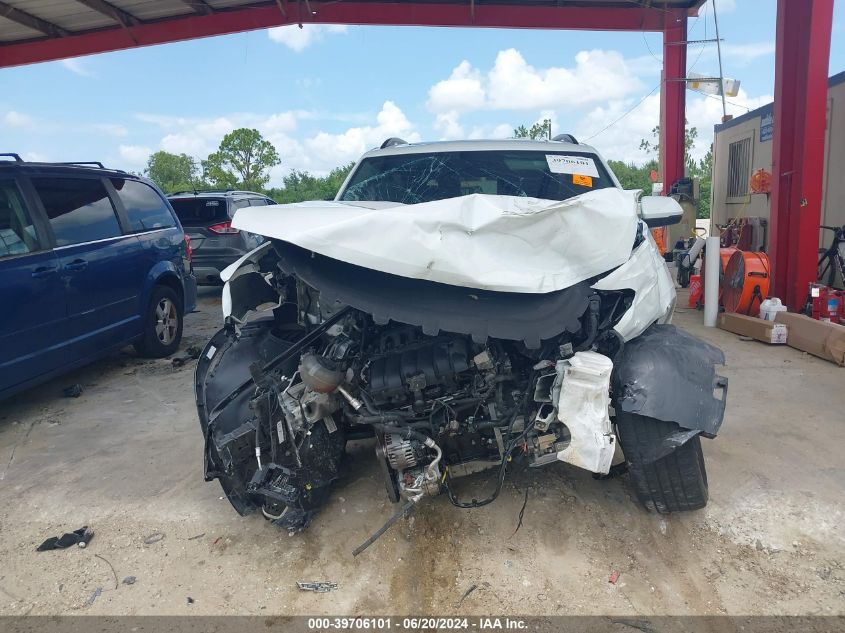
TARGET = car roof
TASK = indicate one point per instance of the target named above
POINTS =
(519, 144)
(215, 193)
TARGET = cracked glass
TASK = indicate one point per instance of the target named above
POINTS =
(424, 177)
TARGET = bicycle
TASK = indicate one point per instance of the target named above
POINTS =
(833, 259)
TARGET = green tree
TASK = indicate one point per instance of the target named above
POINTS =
(542, 129)
(172, 172)
(299, 186)
(633, 176)
(702, 169)
(243, 159)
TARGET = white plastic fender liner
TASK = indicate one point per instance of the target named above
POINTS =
(489, 242)
(583, 408)
(245, 286)
(654, 291)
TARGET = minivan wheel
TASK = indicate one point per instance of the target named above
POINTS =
(162, 324)
(673, 483)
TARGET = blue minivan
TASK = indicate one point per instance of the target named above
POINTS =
(91, 260)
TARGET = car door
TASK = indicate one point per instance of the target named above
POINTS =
(98, 264)
(161, 241)
(32, 327)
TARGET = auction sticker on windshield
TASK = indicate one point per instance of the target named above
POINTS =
(559, 164)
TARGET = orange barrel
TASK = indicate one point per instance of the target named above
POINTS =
(746, 282)
(724, 256)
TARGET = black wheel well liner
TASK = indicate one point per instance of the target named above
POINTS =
(669, 374)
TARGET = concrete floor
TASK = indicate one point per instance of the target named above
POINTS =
(125, 459)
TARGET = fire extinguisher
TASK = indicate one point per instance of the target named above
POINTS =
(826, 304)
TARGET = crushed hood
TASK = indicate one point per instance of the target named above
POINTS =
(499, 243)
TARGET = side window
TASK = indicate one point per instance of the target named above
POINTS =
(79, 209)
(145, 208)
(235, 205)
(257, 202)
(17, 233)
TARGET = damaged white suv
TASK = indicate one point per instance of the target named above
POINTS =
(467, 304)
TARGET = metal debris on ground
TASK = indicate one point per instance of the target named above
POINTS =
(191, 353)
(114, 573)
(155, 537)
(472, 588)
(317, 587)
(74, 391)
(80, 537)
(129, 580)
(614, 577)
(194, 538)
(97, 593)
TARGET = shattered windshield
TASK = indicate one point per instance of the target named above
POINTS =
(415, 178)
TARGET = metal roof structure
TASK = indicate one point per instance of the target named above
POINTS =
(42, 30)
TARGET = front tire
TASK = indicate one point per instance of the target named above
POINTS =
(676, 482)
(162, 324)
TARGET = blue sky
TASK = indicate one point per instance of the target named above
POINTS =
(323, 95)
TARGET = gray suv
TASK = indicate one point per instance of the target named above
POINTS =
(206, 216)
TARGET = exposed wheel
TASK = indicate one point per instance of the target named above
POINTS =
(673, 483)
(162, 324)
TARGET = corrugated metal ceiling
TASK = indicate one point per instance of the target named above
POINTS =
(24, 20)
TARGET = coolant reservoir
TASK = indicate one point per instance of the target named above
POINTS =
(583, 408)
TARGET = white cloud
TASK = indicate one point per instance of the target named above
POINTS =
(621, 140)
(13, 118)
(324, 150)
(462, 91)
(318, 153)
(448, 125)
(111, 129)
(298, 38)
(134, 156)
(513, 84)
(503, 130)
(77, 66)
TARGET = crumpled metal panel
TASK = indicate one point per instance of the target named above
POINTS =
(670, 375)
(490, 242)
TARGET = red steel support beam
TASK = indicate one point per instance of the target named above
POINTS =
(630, 18)
(802, 58)
(673, 98)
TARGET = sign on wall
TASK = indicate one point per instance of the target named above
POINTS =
(767, 127)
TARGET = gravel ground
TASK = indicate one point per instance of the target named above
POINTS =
(125, 459)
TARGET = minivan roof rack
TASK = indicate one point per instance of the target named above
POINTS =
(96, 163)
(566, 138)
(81, 163)
(213, 190)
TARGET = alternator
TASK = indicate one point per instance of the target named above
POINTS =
(401, 453)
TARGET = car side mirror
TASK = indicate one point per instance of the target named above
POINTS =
(658, 211)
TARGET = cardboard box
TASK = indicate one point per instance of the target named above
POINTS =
(819, 338)
(766, 331)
